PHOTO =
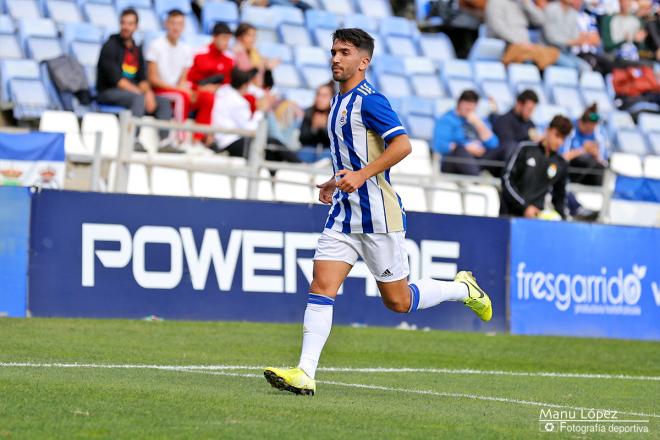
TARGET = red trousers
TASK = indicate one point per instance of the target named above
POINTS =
(183, 105)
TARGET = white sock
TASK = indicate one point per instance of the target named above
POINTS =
(316, 329)
(428, 292)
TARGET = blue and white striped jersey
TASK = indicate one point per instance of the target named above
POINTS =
(361, 123)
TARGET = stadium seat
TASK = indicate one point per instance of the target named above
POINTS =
(288, 14)
(286, 75)
(260, 17)
(482, 200)
(437, 47)
(368, 23)
(413, 197)
(394, 85)
(545, 112)
(170, 182)
(456, 69)
(29, 97)
(10, 48)
(84, 32)
(443, 105)
(446, 199)
(219, 11)
(570, 98)
(63, 11)
(456, 86)
(564, 76)
(397, 26)
(138, 179)
(648, 122)
(592, 81)
(9, 69)
(40, 49)
(401, 46)
(487, 49)
(626, 164)
(292, 192)
(420, 126)
(303, 97)
(294, 35)
(339, 7)
(197, 41)
(654, 142)
(631, 141)
(652, 167)
(375, 8)
(500, 92)
(64, 122)
(427, 86)
(523, 74)
(102, 15)
(317, 18)
(149, 20)
(601, 98)
(590, 200)
(315, 76)
(618, 120)
(385, 63)
(414, 65)
(6, 24)
(24, 9)
(311, 56)
(489, 70)
(417, 105)
(107, 126)
(277, 51)
(40, 38)
(211, 185)
(323, 38)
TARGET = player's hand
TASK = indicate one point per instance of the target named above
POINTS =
(531, 211)
(150, 102)
(327, 189)
(350, 180)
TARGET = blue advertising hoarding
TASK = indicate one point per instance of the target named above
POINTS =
(122, 256)
(577, 279)
(14, 241)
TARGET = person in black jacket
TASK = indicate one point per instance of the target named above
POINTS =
(121, 74)
(534, 170)
(314, 128)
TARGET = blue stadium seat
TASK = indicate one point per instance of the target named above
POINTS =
(315, 75)
(545, 112)
(654, 142)
(29, 97)
(420, 126)
(398, 26)
(416, 105)
(568, 97)
(555, 75)
(619, 120)
(40, 38)
(500, 92)
(340, 7)
(101, 14)
(443, 105)
(427, 86)
(489, 70)
(10, 48)
(37, 27)
(13, 70)
(401, 46)
(457, 69)
(387, 64)
(323, 37)
(369, 24)
(375, 8)
(24, 9)
(214, 12)
(592, 81)
(303, 97)
(600, 97)
(397, 86)
(86, 53)
(260, 17)
(84, 32)
(197, 41)
(317, 18)
(523, 74)
(487, 49)
(312, 56)
(7, 25)
(41, 49)
(276, 51)
(648, 122)
(379, 45)
(267, 36)
(413, 65)
(149, 21)
(63, 11)
(456, 86)
(294, 35)
(288, 14)
(90, 74)
(286, 76)
(437, 47)
(631, 141)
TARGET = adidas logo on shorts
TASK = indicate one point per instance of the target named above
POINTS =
(387, 273)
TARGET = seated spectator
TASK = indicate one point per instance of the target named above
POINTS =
(247, 57)
(591, 49)
(463, 138)
(232, 111)
(211, 68)
(314, 128)
(535, 170)
(121, 76)
(561, 29)
(514, 127)
(653, 31)
(585, 151)
(509, 20)
(623, 34)
(168, 61)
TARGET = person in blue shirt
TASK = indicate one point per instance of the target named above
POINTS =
(462, 138)
(585, 150)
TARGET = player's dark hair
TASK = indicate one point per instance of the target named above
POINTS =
(356, 37)
(243, 29)
(562, 124)
(240, 77)
(526, 96)
(469, 96)
(175, 13)
(130, 11)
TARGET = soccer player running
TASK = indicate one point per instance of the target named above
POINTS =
(366, 218)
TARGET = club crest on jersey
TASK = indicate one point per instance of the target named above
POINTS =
(342, 120)
(552, 171)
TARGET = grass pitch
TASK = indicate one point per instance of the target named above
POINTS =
(126, 399)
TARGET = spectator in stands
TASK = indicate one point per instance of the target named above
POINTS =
(122, 77)
(585, 151)
(463, 138)
(514, 127)
(562, 30)
(314, 128)
(211, 68)
(591, 49)
(653, 31)
(534, 170)
(623, 34)
(168, 62)
(247, 57)
(509, 20)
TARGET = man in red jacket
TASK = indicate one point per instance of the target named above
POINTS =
(211, 68)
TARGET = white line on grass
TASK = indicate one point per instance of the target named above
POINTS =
(340, 370)
(438, 393)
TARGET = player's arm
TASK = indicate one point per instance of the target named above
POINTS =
(398, 148)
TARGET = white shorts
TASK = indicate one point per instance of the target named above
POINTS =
(384, 254)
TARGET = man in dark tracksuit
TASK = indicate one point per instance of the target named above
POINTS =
(534, 170)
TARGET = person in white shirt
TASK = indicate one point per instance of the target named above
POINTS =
(169, 60)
